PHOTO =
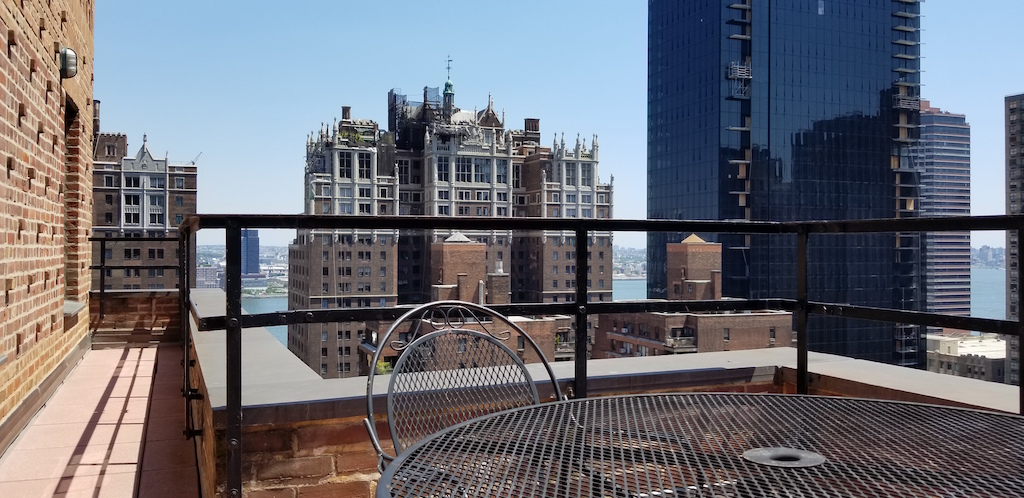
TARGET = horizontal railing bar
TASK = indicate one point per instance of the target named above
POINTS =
(915, 317)
(927, 224)
(141, 267)
(521, 309)
(133, 239)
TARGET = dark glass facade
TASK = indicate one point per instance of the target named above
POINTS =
(790, 110)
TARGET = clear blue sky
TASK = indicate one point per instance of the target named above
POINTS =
(243, 83)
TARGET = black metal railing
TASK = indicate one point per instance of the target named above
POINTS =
(103, 266)
(234, 321)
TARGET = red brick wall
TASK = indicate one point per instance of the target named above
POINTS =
(45, 189)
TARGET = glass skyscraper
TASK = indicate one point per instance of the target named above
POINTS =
(790, 110)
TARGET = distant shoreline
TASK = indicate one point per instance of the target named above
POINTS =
(628, 278)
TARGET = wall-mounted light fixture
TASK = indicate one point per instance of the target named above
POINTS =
(68, 63)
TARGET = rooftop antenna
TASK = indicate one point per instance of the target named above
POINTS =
(197, 158)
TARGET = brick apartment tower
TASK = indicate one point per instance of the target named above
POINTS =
(46, 201)
(694, 273)
(139, 196)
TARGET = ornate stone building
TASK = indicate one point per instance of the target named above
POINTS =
(438, 160)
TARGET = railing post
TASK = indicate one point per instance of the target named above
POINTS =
(233, 333)
(103, 276)
(801, 311)
(580, 381)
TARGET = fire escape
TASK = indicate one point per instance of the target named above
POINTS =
(906, 107)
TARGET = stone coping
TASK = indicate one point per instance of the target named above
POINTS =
(277, 387)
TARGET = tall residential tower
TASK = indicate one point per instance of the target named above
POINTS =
(944, 158)
(784, 111)
(1014, 112)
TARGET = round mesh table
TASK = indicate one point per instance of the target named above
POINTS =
(734, 445)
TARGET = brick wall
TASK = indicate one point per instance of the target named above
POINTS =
(45, 192)
(136, 317)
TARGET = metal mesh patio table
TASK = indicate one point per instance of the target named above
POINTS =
(734, 445)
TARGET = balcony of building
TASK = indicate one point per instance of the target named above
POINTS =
(224, 402)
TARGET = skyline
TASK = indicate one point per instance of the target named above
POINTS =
(199, 70)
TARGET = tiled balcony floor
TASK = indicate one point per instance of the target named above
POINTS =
(112, 429)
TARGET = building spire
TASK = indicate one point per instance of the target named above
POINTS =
(449, 66)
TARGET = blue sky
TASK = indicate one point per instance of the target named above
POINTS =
(243, 83)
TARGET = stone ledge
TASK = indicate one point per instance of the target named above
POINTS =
(279, 388)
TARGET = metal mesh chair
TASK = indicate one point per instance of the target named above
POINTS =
(453, 365)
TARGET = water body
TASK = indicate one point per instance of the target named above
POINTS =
(988, 298)
(629, 289)
(254, 305)
(988, 293)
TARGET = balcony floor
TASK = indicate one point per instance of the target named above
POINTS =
(113, 428)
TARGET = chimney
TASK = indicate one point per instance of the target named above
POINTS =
(346, 112)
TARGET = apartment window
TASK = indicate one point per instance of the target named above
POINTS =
(586, 174)
(570, 173)
(179, 201)
(108, 218)
(156, 218)
(771, 332)
(132, 182)
(463, 169)
(501, 171)
(108, 181)
(554, 270)
(131, 200)
(323, 368)
(178, 218)
(345, 166)
(554, 284)
(443, 168)
(132, 253)
(383, 271)
(554, 255)
(364, 208)
(364, 165)
(364, 192)
(482, 170)
(156, 182)
(179, 183)
(403, 171)
(725, 334)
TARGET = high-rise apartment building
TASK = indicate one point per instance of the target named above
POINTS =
(250, 251)
(1014, 112)
(784, 111)
(943, 156)
(438, 160)
(141, 197)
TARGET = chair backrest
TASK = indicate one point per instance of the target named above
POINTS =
(453, 365)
